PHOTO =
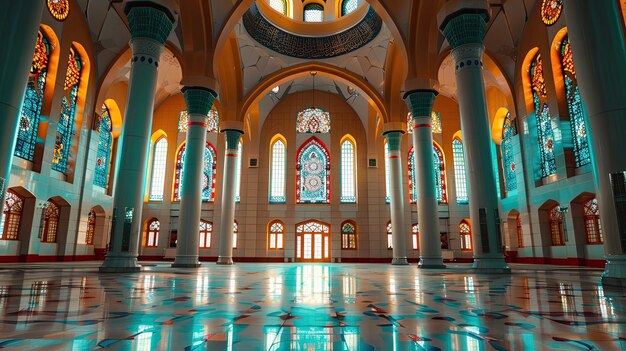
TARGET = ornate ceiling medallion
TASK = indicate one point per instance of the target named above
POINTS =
(551, 11)
(59, 9)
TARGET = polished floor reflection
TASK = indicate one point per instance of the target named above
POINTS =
(307, 307)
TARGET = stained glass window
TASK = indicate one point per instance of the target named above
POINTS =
(435, 122)
(593, 228)
(506, 150)
(51, 223)
(575, 106)
(389, 236)
(11, 216)
(545, 134)
(313, 173)
(348, 172)
(213, 121)
(59, 9)
(65, 128)
(33, 99)
(440, 175)
(520, 233)
(209, 173)
(103, 157)
(348, 6)
(556, 226)
(238, 170)
(348, 235)
(466, 236)
(159, 160)
(551, 11)
(412, 176)
(415, 232)
(277, 173)
(460, 173)
(387, 175)
(91, 227)
(205, 231)
(235, 234)
(276, 235)
(313, 120)
(279, 5)
(153, 229)
(313, 13)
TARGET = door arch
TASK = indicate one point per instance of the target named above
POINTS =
(312, 241)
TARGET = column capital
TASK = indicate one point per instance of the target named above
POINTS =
(148, 19)
(199, 100)
(420, 102)
(394, 137)
(464, 22)
(232, 138)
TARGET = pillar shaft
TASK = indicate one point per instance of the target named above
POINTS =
(227, 218)
(599, 55)
(19, 24)
(398, 225)
(149, 28)
(420, 104)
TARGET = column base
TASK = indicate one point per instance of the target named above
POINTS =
(400, 261)
(226, 261)
(491, 265)
(120, 264)
(614, 271)
(431, 263)
(182, 261)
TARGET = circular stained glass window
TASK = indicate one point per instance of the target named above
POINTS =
(59, 9)
(551, 11)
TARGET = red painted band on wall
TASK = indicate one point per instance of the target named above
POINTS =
(196, 124)
(422, 125)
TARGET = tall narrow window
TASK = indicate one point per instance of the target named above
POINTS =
(277, 172)
(235, 234)
(460, 175)
(520, 233)
(349, 236)
(159, 160)
(387, 175)
(238, 170)
(592, 222)
(556, 226)
(575, 106)
(11, 216)
(389, 236)
(313, 13)
(205, 231)
(209, 173)
(440, 174)
(153, 229)
(65, 128)
(348, 172)
(313, 173)
(412, 176)
(506, 149)
(466, 236)
(51, 223)
(105, 142)
(545, 134)
(415, 232)
(279, 5)
(91, 227)
(33, 99)
(348, 6)
(276, 235)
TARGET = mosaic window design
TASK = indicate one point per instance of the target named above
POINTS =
(520, 233)
(348, 172)
(348, 235)
(205, 231)
(435, 122)
(545, 134)
(235, 234)
(11, 216)
(507, 154)
(440, 175)
(51, 223)
(209, 173)
(593, 228)
(103, 157)
(389, 236)
(415, 232)
(91, 227)
(33, 100)
(59, 9)
(238, 170)
(313, 13)
(279, 5)
(277, 173)
(412, 176)
(65, 128)
(460, 173)
(575, 106)
(313, 120)
(213, 121)
(387, 175)
(556, 226)
(159, 160)
(551, 11)
(465, 232)
(313, 173)
(153, 229)
(276, 235)
(348, 6)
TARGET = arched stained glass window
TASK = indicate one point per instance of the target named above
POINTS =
(412, 176)
(313, 173)
(556, 226)
(575, 106)
(506, 150)
(313, 120)
(153, 229)
(238, 170)
(213, 121)
(276, 234)
(460, 173)
(33, 99)
(520, 233)
(313, 13)
(545, 134)
(440, 174)
(91, 227)
(348, 235)
(389, 236)
(466, 235)
(205, 231)
(103, 157)
(277, 172)
(159, 160)
(415, 232)
(11, 216)
(387, 175)
(209, 173)
(348, 6)
(435, 122)
(65, 128)
(279, 5)
(235, 234)
(593, 228)
(51, 223)
(348, 172)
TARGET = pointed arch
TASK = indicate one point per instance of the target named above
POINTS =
(348, 169)
(205, 231)
(313, 173)
(209, 172)
(152, 232)
(158, 166)
(104, 126)
(349, 235)
(278, 169)
(460, 171)
(275, 235)
(465, 232)
(11, 216)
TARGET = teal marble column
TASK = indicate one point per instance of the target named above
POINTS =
(464, 28)
(227, 217)
(597, 39)
(150, 25)
(420, 104)
(398, 227)
(19, 22)
(199, 102)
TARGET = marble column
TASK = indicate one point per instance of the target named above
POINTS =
(199, 102)
(19, 23)
(597, 39)
(420, 104)
(150, 25)
(227, 218)
(464, 24)
(398, 227)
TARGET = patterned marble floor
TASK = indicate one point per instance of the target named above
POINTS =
(307, 307)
